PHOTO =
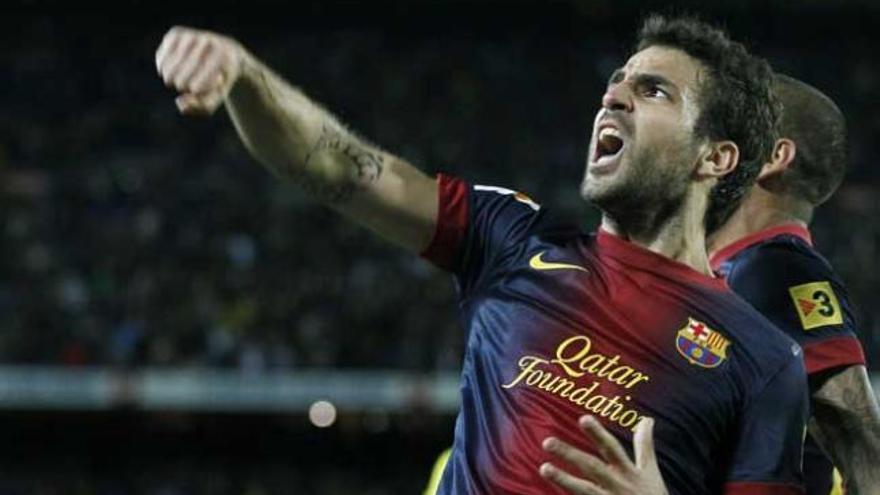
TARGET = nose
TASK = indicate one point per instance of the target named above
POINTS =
(618, 97)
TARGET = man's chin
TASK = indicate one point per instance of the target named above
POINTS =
(596, 189)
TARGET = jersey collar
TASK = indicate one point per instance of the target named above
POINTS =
(734, 248)
(633, 254)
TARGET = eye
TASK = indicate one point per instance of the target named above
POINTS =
(655, 92)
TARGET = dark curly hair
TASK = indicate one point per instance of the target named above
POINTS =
(736, 102)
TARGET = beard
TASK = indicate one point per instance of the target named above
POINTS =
(645, 192)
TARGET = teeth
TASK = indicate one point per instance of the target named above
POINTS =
(608, 131)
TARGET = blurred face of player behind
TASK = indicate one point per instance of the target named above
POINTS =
(643, 152)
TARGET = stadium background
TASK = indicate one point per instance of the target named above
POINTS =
(170, 311)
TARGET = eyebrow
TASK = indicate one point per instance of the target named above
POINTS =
(641, 78)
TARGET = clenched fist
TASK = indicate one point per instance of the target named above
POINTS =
(202, 66)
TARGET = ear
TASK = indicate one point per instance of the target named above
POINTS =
(718, 160)
(784, 151)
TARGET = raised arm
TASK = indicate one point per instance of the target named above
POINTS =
(297, 139)
(846, 423)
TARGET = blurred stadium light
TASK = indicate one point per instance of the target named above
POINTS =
(207, 390)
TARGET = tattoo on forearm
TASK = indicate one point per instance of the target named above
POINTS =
(849, 428)
(361, 166)
(337, 164)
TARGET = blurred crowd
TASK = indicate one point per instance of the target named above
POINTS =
(131, 236)
(132, 453)
(188, 475)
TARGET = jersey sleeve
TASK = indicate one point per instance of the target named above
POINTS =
(768, 450)
(802, 296)
(475, 226)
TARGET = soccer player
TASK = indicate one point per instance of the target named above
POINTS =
(766, 253)
(626, 323)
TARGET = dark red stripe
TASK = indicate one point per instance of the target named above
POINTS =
(832, 353)
(452, 218)
(731, 250)
(634, 254)
(758, 488)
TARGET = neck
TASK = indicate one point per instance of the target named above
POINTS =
(679, 236)
(760, 210)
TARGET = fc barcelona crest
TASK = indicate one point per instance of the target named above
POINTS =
(701, 345)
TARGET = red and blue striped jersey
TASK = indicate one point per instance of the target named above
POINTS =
(780, 273)
(561, 324)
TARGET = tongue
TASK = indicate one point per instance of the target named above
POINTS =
(609, 145)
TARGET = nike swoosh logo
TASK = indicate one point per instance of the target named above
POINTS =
(539, 264)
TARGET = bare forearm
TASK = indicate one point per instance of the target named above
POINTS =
(847, 425)
(297, 139)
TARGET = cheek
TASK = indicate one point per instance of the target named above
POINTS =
(661, 133)
(690, 111)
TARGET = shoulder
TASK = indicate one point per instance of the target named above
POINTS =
(798, 290)
(517, 210)
(769, 274)
(482, 193)
(757, 345)
(782, 260)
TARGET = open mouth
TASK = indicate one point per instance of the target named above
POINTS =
(608, 145)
